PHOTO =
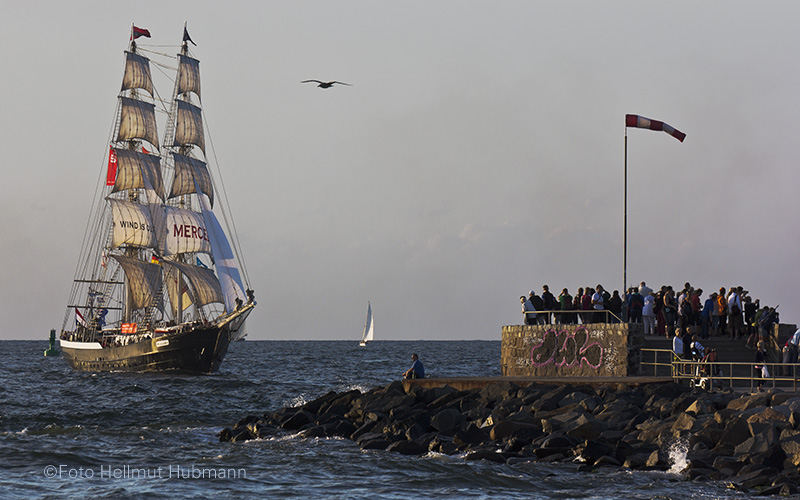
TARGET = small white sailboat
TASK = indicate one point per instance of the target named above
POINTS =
(369, 327)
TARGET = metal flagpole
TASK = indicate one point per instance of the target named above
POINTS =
(625, 225)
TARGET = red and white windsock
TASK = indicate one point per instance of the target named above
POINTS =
(642, 122)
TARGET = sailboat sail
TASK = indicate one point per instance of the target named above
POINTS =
(369, 327)
(142, 277)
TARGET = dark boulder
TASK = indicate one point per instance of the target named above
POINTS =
(470, 435)
(225, 435)
(377, 443)
(747, 402)
(760, 443)
(585, 427)
(506, 429)
(736, 432)
(493, 393)
(590, 451)
(407, 448)
(297, 420)
(447, 420)
(486, 454)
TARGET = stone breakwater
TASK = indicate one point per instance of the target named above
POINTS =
(749, 442)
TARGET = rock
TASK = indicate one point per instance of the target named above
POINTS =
(590, 451)
(447, 420)
(682, 402)
(520, 460)
(440, 444)
(760, 443)
(343, 428)
(574, 398)
(485, 454)
(471, 435)
(434, 393)
(767, 419)
(559, 442)
(759, 477)
(728, 464)
(241, 435)
(325, 430)
(585, 427)
(493, 393)
(607, 461)
(636, 461)
(684, 422)
(299, 419)
(747, 402)
(670, 390)
(378, 443)
(736, 432)
(772, 458)
(384, 403)
(450, 400)
(509, 428)
(550, 400)
(657, 458)
(261, 431)
(315, 405)
(407, 448)
(250, 419)
(699, 407)
(365, 428)
(225, 435)
(525, 417)
(790, 444)
(414, 432)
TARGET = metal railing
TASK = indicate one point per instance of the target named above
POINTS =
(574, 316)
(717, 374)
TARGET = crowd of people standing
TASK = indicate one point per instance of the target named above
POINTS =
(664, 312)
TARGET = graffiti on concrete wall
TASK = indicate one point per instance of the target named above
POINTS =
(567, 349)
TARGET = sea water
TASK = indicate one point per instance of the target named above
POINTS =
(67, 434)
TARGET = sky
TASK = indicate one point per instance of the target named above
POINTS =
(478, 154)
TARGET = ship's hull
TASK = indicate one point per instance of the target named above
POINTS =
(200, 350)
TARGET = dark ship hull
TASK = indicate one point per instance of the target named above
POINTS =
(200, 350)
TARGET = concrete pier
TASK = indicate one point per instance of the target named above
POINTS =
(469, 383)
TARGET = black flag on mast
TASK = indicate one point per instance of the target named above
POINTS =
(186, 37)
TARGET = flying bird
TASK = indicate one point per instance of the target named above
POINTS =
(325, 85)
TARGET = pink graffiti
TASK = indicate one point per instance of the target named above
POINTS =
(567, 349)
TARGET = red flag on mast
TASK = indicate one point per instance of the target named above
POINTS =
(111, 176)
(642, 122)
(137, 32)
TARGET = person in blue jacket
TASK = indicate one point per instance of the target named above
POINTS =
(416, 370)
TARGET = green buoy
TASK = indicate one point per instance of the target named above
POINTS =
(52, 351)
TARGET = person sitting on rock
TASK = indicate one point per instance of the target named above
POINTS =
(416, 370)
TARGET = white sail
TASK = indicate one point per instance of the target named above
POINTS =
(185, 232)
(137, 73)
(138, 121)
(138, 170)
(143, 279)
(224, 260)
(188, 75)
(205, 286)
(132, 225)
(178, 293)
(189, 126)
(369, 327)
(191, 176)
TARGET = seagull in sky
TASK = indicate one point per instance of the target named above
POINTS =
(325, 85)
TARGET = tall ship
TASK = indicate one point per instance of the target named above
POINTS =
(160, 283)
